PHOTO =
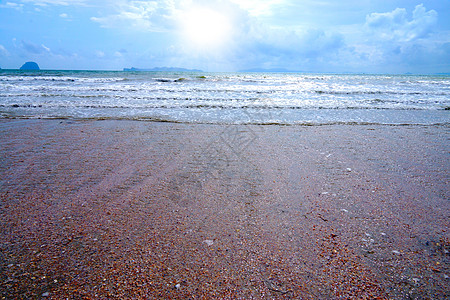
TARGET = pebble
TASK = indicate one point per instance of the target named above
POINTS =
(177, 286)
(208, 242)
(396, 252)
(46, 294)
(344, 210)
(349, 169)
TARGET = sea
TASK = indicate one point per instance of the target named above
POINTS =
(226, 98)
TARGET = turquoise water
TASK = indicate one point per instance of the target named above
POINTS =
(226, 98)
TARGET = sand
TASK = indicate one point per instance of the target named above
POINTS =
(146, 210)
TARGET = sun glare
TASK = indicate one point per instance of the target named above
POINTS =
(206, 28)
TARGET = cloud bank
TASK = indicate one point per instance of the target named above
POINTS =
(400, 41)
(310, 36)
(139, 15)
(395, 26)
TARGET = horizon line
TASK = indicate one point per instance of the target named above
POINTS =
(238, 71)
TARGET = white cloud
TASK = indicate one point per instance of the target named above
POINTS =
(120, 53)
(395, 25)
(64, 15)
(258, 7)
(45, 48)
(251, 43)
(34, 48)
(140, 15)
(165, 15)
(99, 54)
(13, 5)
(291, 50)
(3, 51)
(398, 42)
(56, 2)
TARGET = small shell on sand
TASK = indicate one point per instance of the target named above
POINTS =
(208, 242)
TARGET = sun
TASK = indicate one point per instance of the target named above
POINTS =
(206, 28)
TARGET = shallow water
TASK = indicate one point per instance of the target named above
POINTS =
(226, 98)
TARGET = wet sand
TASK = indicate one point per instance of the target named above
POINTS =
(143, 210)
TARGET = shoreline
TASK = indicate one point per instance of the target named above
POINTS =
(130, 209)
(227, 116)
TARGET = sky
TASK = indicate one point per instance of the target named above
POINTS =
(382, 36)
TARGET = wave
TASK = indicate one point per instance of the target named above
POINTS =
(244, 91)
(218, 107)
(256, 123)
(61, 79)
(181, 79)
(216, 98)
(380, 93)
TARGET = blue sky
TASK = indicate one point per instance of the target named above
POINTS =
(392, 36)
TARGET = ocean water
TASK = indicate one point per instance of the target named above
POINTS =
(226, 98)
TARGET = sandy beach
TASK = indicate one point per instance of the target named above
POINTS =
(148, 210)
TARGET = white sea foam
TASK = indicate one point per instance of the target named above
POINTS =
(231, 98)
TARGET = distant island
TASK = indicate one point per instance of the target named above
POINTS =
(162, 69)
(30, 65)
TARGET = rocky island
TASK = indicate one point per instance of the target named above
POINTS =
(30, 65)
